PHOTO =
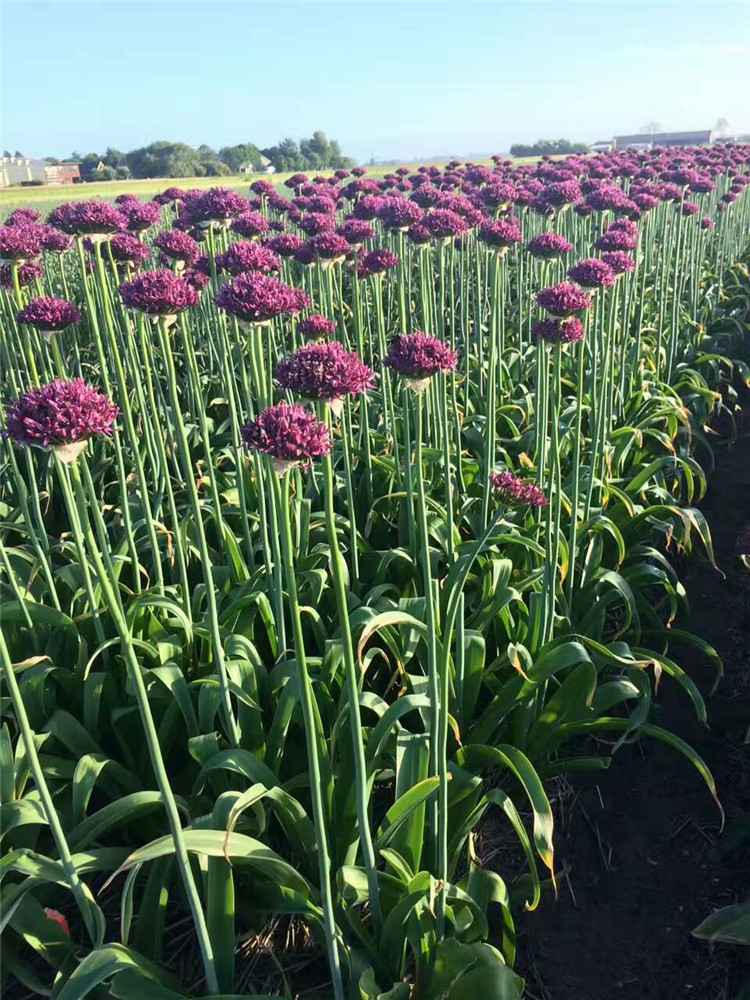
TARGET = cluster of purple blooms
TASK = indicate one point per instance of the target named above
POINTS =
(159, 293)
(323, 371)
(59, 413)
(289, 435)
(316, 327)
(49, 314)
(419, 356)
(559, 330)
(563, 299)
(242, 257)
(256, 298)
(515, 492)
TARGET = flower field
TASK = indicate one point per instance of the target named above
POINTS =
(334, 524)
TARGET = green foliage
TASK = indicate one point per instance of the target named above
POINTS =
(547, 147)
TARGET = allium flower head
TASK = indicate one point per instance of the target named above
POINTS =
(58, 414)
(53, 241)
(316, 222)
(48, 314)
(128, 249)
(563, 299)
(243, 256)
(87, 218)
(419, 233)
(20, 242)
(514, 492)
(256, 298)
(285, 244)
(324, 371)
(497, 194)
(290, 435)
(398, 213)
(356, 232)
(250, 224)
(217, 204)
(140, 215)
(196, 279)
(443, 223)
(262, 187)
(501, 234)
(562, 193)
(316, 327)
(172, 194)
(376, 262)
(558, 330)
(592, 273)
(178, 246)
(548, 246)
(22, 217)
(419, 356)
(159, 293)
(329, 247)
(620, 261)
(690, 208)
(26, 273)
(707, 223)
(367, 208)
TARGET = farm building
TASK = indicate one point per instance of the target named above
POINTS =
(646, 140)
(263, 166)
(22, 170)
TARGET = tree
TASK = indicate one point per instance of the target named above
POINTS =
(721, 128)
(165, 159)
(113, 157)
(236, 156)
(123, 172)
(547, 147)
(651, 129)
(52, 160)
(75, 155)
(286, 156)
(216, 168)
(19, 154)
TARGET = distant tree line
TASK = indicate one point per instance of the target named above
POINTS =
(177, 159)
(547, 147)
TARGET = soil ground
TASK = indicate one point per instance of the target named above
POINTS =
(646, 858)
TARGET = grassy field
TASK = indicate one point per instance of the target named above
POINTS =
(45, 198)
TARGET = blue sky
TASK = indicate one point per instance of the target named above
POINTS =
(394, 79)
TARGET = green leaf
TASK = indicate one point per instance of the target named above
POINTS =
(730, 925)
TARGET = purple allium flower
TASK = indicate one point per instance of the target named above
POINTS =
(314, 223)
(197, 279)
(398, 213)
(702, 184)
(501, 234)
(563, 299)
(87, 218)
(22, 217)
(316, 326)
(607, 198)
(296, 180)
(126, 199)
(497, 194)
(419, 234)
(128, 249)
(356, 232)
(262, 187)
(178, 246)
(620, 261)
(426, 195)
(256, 298)
(217, 204)
(514, 492)
(690, 208)
(645, 201)
(250, 224)
(171, 194)
(49, 314)
(158, 293)
(32, 270)
(290, 435)
(306, 255)
(244, 256)
(616, 239)
(367, 208)
(443, 223)
(285, 244)
(330, 247)
(707, 223)
(60, 414)
(20, 242)
(376, 262)
(549, 246)
(419, 356)
(554, 330)
(562, 193)
(325, 371)
(592, 273)
(140, 215)
(359, 171)
(54, 241)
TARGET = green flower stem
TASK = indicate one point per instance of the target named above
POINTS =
(152, 737)
(309, 714)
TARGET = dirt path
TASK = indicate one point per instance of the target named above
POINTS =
(647, 860)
